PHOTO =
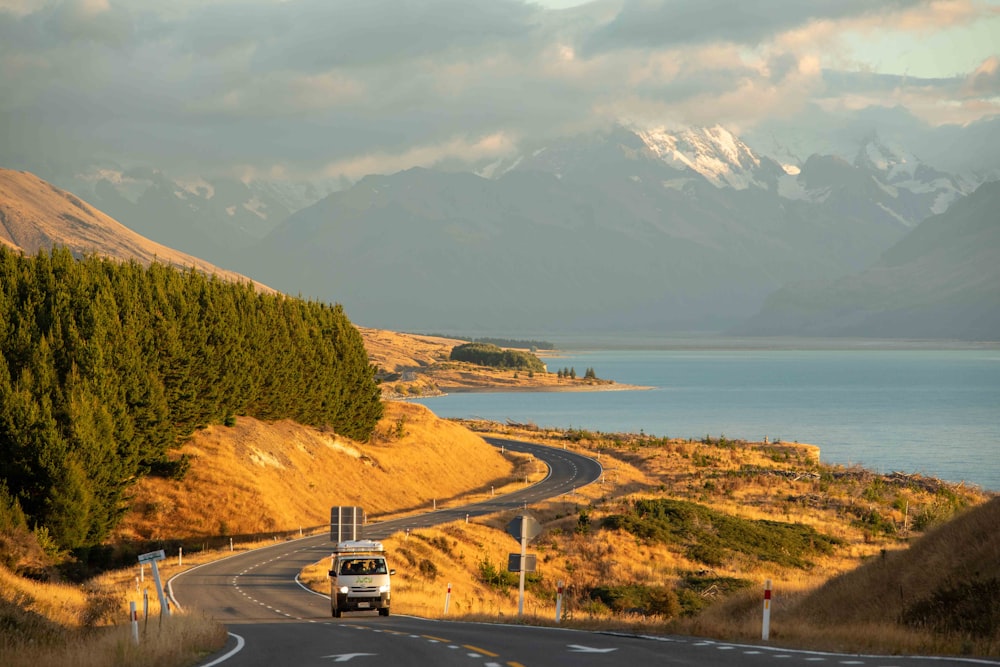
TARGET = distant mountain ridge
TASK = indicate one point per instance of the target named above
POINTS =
(595, 233)
(35, 215)
(632, 228)
(940, 281)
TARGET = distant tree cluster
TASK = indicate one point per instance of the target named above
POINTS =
(516, 343)
(570, 373)
(106, 366)
(486, 354)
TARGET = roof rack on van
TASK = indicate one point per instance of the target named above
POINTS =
(358, 546)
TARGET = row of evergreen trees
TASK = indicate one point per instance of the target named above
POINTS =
(106, 367)
(487, 354)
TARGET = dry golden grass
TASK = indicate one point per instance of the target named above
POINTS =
(783, 482)
(247, 481)
(253, 478)
(59, 624)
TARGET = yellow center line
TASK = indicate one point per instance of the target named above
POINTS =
(437, 639)
(480, 650)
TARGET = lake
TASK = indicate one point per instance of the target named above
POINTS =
(933, 412)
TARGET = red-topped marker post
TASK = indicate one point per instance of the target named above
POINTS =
(766, 629)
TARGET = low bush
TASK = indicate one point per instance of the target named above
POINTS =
(712, 537)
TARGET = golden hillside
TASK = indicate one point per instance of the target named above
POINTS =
(256, 477)
(690, 584)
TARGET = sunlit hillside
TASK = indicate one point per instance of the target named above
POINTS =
(36, 215)
(733, 515)
(255, 477)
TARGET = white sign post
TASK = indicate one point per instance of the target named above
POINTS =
(523, 528)
(152, 557)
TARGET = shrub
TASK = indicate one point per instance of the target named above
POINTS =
(710, 536)
(638, 599)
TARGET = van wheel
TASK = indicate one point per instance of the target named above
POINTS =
(384, 611)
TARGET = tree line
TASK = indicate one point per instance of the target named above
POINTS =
(107, 367)
(486, 354)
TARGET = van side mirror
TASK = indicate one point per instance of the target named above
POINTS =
(330, 573)
(392, 572)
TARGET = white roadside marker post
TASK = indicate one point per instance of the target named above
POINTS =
(766, 629)
(134, 618)
(447, 599)
(559, 594)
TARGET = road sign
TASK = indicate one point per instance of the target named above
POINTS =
(525, 527)
(152, 556)
(514, 562)
(346, 523)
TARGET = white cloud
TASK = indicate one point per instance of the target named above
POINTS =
(492, 146)
(316, 86)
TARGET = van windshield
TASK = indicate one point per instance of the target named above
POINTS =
(363, 566)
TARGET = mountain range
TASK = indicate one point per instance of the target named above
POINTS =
(629, 229)
(942, 280)
(622, 230)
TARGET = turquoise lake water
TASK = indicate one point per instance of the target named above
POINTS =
(934, 412)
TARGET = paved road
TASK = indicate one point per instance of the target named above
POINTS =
(273, 620)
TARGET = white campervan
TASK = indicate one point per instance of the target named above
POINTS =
(359, 578)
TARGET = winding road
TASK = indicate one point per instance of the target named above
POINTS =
(274, 621)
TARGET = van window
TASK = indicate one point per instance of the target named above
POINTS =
(363, 566)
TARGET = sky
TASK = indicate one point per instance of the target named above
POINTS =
(336, 89)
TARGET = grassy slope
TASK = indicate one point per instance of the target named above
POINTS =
(872, 514)
(253, 477)
(245, 480)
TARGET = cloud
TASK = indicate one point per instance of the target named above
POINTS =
(312, 86)
(672, 23)
(985, 81)
(492, 146)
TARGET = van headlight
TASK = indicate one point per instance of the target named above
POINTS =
(384, 588)
(344, 589)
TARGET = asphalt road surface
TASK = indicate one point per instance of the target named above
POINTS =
(275, 621)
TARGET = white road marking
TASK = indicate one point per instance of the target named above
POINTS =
(577, 648)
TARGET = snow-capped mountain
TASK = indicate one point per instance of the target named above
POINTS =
(715, 153)
(900, 170)
(885, 184)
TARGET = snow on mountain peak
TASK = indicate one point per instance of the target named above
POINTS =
(877, 155)
(715, 153)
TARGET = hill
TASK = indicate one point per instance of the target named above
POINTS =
(35, 215)
(940, 281)
(680, 536)
(962, 597)
(254, 477)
